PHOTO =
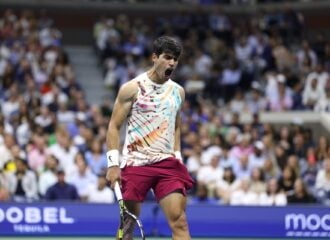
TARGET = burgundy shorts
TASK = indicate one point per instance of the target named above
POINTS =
(163, 177)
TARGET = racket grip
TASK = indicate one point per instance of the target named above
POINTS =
(118, 194)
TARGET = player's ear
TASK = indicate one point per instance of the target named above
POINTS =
(154, 57)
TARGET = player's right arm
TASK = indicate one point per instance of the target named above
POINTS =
(122, 107)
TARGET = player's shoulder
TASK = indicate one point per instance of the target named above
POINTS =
(128, 87)
(131, 88)
(176, 85)
(128, 90)
(179, 88)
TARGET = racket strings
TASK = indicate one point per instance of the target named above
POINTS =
(129, 226)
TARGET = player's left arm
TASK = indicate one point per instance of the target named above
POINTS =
(177, 137)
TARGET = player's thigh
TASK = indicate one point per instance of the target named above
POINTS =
(134, 207)
(173, 205)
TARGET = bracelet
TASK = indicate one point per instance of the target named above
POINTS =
(113, 158)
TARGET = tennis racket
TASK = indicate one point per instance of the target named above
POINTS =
(124, 215)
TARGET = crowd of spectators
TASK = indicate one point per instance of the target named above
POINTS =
(52, 141)
(51, 138)
(259, 63)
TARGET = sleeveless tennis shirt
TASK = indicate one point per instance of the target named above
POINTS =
(150, 129)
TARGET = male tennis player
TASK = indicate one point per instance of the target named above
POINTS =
(151, 154)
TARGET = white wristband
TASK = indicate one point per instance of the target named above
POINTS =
(178, 155)
(113, 158)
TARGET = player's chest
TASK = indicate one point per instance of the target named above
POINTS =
(157, 100)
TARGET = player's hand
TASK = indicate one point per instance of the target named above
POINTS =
(113, 175)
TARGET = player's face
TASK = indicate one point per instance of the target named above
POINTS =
(165, 64)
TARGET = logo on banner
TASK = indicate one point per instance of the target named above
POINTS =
(307, 225)
(33, 219)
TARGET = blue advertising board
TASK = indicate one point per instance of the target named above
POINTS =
(78, 219)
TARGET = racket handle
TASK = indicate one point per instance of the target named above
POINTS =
(118, 191)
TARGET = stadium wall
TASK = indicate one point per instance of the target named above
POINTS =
(318, 122)
(78, 219)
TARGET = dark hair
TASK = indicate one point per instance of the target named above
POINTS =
(167, 44)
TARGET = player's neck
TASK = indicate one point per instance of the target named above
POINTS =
(154, 77)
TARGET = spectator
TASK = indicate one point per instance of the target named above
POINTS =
(4, 187)
(293, 163)
(36, 153)
(64, 115)
(96, 157)
(306, 54)
(299, 146)
(61, 190)
(210, 151)
(257, 158)
(244, 147)
(285, 138)
(194, 88)
(229, 80)
(23, 183)
(256, 102)
(194, 161)
(48, 177)
(297, 101)
(323, 104)
(321, 151)
(45, 119)
(320, 74)
(282, 98)
(286, 180)
(243, 195)
(237, 103)
(236, 128)
(308, 174)
(100, 192)
(273, 196)
(313, 93)
(203, 63)
(63, 149)
(270, 169)
(283, 57)
(210, 174)
(300, 193)
(82, 177)
(226, 161)
(322, 184)
(83, 138)
(227, 185)
(11, 105)
(243, 52)
(257, 182)
(242, 168)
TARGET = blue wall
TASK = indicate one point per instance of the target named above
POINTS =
(77, 219)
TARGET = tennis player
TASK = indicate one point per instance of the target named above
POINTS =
(151, 157)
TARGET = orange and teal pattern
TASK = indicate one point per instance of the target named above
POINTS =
(150, 127)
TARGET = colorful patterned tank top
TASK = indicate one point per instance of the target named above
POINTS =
(150, 130)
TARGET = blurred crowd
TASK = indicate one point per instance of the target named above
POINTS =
(52, 141)
(264, 62)
(51, 138)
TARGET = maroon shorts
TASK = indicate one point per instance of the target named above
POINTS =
(163, 177)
